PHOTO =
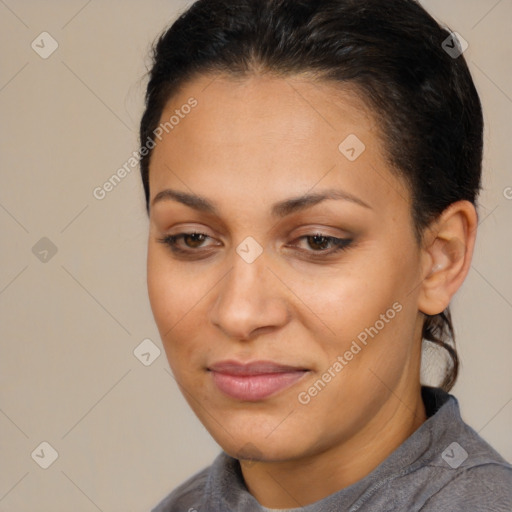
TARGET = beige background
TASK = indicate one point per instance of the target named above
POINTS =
(69, 326)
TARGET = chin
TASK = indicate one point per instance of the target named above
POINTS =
(258, 445)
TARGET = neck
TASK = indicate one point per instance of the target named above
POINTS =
(303, 481)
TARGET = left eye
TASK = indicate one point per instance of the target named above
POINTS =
(320, 243)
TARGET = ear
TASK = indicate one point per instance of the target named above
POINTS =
(446, 256)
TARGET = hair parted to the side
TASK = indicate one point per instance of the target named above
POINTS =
(390, 52)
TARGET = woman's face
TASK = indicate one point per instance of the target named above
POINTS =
(290, 318)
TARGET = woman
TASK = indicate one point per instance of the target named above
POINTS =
(311, 170)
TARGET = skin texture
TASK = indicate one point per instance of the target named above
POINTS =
(249, 144)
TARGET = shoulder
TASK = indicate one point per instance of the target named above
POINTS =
(187, 496)
(206, 490)
(473, 476)
(482, 487)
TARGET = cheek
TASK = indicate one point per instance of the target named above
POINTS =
(168, 294)
(177, 299)
(371, 302)
(158, 287)
(172, 289)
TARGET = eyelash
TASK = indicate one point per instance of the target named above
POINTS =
(340, 244)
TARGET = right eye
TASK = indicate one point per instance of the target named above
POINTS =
(185, 243)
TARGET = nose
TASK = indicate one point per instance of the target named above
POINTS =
(250, 300)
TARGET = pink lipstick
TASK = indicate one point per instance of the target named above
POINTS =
(254, 381)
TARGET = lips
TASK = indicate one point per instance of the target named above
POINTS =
(254, 381)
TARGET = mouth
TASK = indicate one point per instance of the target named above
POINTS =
(252, 382)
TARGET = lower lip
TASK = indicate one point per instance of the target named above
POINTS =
(252, 388)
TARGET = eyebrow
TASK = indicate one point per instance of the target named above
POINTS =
(280, 209)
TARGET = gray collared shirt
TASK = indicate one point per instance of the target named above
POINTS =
(444, 466)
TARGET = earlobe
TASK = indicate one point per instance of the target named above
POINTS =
(446, 256)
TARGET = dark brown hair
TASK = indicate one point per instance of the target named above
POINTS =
(393, 52)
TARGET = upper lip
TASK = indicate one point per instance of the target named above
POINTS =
(232, 367)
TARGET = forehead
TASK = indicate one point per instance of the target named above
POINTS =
(269, 134)
(273, 106)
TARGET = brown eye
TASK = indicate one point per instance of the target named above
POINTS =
(194, 240)
(318, 245)
(186, 243)
(318, 242)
